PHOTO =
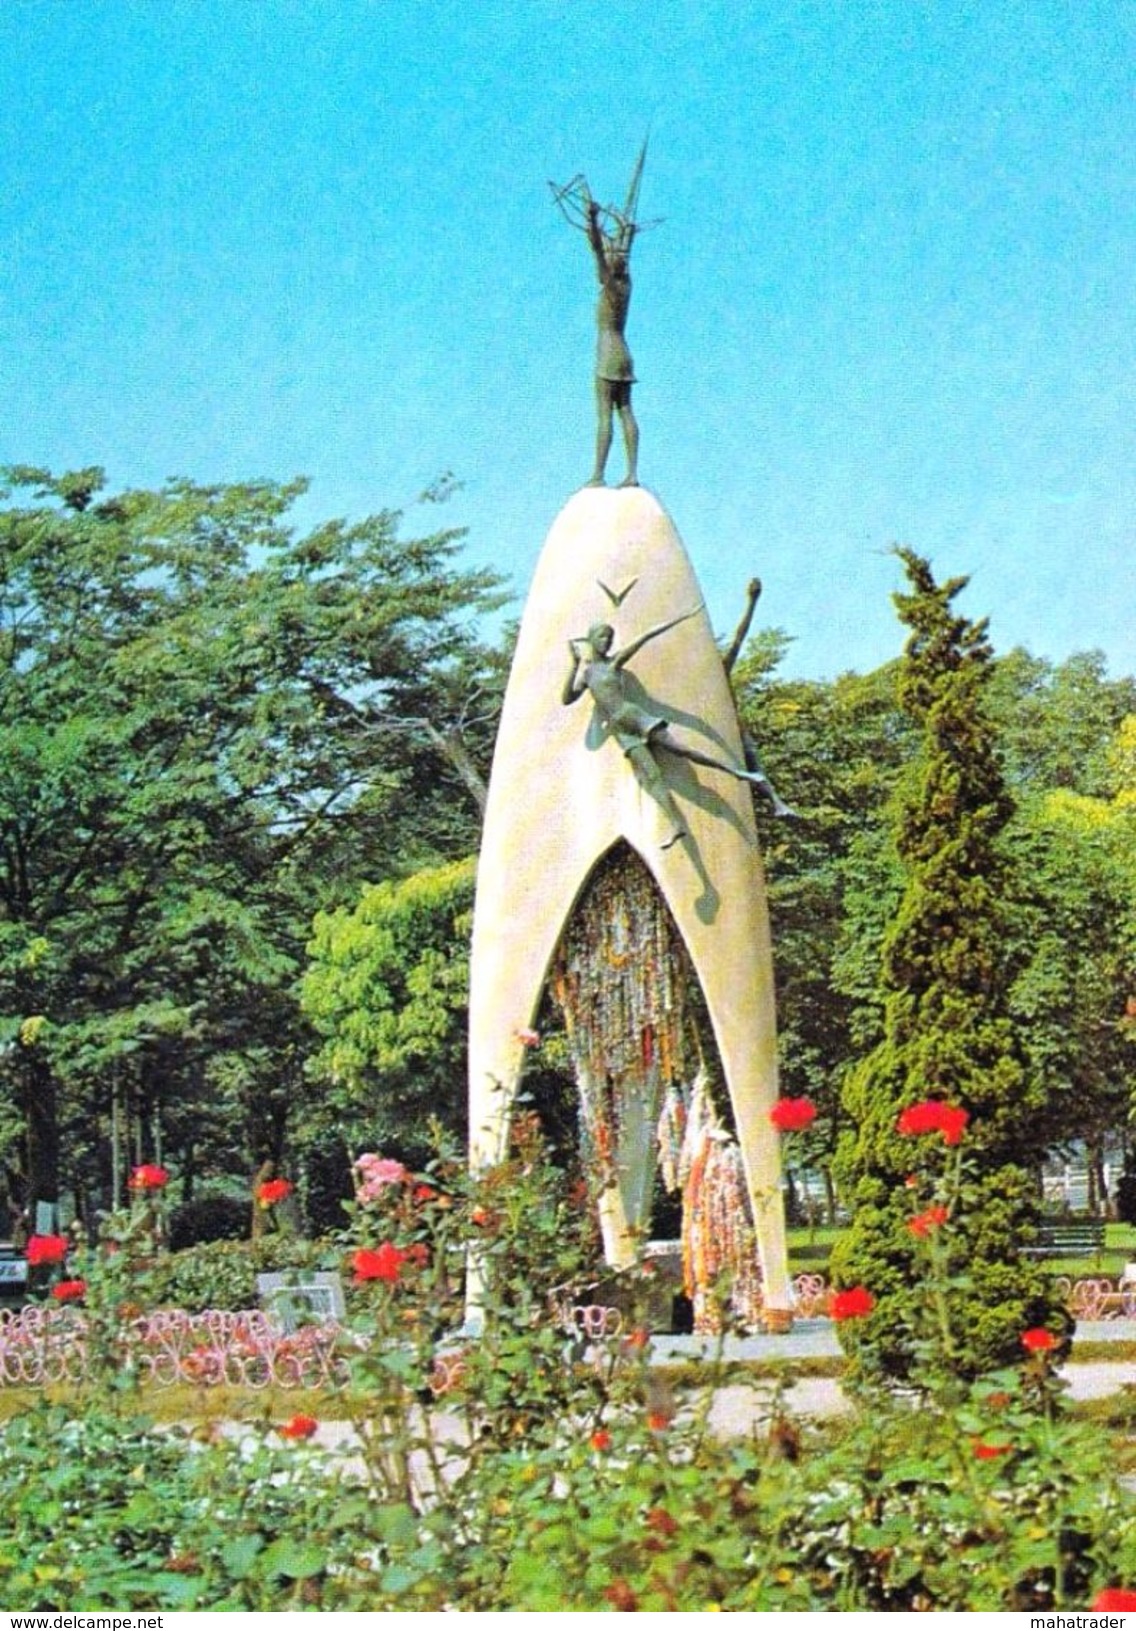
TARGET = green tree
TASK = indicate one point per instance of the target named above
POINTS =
(1077, 920)
(210, 727)
(1062, 732)
(1056, 723)
(834, 748)
(387, 988)
(947, 1033)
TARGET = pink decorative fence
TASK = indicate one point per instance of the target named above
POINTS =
(1099, 1298)
(42, 1345)
(1088, 1299)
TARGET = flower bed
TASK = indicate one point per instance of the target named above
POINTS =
(547, 1477)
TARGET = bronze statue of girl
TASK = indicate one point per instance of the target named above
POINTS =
(610, 232)
(599, 670)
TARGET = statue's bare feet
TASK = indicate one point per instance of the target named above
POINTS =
(630, 481)
(596, 481)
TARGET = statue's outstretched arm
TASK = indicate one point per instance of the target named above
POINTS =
(625, 656)
(733, 650)
(573, 689)
(596, 238)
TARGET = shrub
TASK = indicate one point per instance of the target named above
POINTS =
(222, 1273)
(207, 1218)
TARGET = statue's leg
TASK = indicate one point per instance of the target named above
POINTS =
(756, 777)
(630, 441)
(603, 430)
(761, 781)
(652, 778)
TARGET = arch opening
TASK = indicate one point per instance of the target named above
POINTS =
(654, 1109)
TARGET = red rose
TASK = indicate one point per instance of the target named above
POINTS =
(918, 1119)
(989, 1452)
(952, 1123)
(793, 1115)
(852, 1304)
(925, 1223)
(148, 1177)
(69, 1291)
(1038, 1340)
(658, 1420)
(46, 1249)
(299, 1427)
(378, 1263)
(1115, 1600)
(933, 1116)
(273, 1190)
(600, 1439)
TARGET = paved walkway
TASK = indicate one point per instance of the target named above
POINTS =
(738, 1408)
(817, 1339)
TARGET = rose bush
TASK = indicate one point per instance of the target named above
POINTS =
(528, 1470)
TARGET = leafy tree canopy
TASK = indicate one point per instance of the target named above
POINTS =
(210, 726)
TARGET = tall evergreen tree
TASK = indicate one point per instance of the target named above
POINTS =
(947, 1035)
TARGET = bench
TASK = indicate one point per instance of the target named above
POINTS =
(1068, 1237)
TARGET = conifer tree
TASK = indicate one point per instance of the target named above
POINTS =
(947, 1038)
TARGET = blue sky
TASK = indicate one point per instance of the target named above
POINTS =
(890, 300)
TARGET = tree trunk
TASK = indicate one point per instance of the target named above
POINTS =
(451, 744)
(42, 1128)
(261, 1176)
(829, 1197)
(1098, 1190)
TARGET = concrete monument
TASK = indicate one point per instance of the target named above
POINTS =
(619, 863)
(563, 794)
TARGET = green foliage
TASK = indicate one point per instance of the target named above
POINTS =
(387, 986)
(834, 748)
(840, 749)
(206, 1218)
(944, 986)
(1077, 916)
(210, 727)
(518, 1473)
(222, 1273)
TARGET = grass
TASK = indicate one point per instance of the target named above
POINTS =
(1121, 1352)
(200, 1406)
(809, 1251)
